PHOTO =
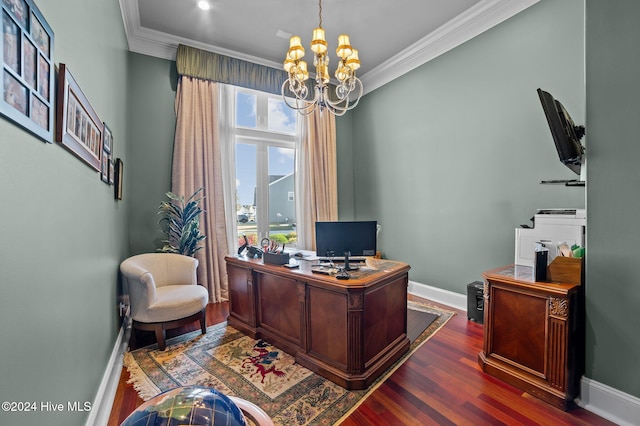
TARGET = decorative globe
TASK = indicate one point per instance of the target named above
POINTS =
(192, 405)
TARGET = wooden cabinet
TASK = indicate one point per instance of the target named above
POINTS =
(534, 334)
(349, 331)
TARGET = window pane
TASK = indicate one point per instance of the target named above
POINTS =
(245, 193)
(282, 210)
(245, 110)
(281, 118)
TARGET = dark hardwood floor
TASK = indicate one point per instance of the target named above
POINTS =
(440, 384)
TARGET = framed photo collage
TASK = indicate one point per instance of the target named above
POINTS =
(29, 99)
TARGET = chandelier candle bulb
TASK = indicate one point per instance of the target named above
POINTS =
(318, 43)
(289, 63)
(296, 51)
(301, 71)
(344, 47)
(353, 61)
(325, 74)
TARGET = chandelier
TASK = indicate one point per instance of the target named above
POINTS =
(295, 90)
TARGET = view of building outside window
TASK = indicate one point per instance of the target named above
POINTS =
(265, 137)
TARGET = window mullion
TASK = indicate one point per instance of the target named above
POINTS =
(262, 111)
(262, 192)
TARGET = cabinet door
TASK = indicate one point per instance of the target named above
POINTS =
(241, 294)
(519, 323)
(328, 332)
(279, 307)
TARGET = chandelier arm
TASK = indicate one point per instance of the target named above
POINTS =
(302, 105)
(337, 104)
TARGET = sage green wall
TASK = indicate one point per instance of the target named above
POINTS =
(448, 158)
(344, 154)
(613, 279)
(152, 95)
(63, 234)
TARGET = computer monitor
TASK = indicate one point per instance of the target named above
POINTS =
(334, 239)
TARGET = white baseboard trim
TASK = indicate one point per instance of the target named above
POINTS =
(605, 401)
(446, 297)
(101, 407)
(610, 403)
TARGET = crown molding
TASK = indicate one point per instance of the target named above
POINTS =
(161, 45)
(474, 21)
(479, 18)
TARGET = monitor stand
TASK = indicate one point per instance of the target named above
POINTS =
(347, 267)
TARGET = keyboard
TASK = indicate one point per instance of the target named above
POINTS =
(340, 259)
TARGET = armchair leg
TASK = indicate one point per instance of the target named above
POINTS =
(132, 337)
(159, 328)
(160, 336)
(203, 321)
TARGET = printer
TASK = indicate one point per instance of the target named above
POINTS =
(551, 227)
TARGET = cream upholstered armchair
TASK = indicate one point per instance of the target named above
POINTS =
(164, 293)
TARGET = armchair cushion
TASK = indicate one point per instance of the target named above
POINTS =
(174, 302)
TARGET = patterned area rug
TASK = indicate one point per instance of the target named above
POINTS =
(237, 365)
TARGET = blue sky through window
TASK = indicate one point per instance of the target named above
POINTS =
(246, 110)
(281, 119)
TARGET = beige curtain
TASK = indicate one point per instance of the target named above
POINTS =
(196, 164)
(318, 177)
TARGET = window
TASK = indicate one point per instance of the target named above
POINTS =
(264, 133)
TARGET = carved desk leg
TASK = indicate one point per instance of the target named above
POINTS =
(558, 314)
(355, 361)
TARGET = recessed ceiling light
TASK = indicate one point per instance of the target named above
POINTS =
(283, 34)
(204, 5)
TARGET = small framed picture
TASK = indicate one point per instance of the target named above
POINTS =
(104, 168)
(81, 134)
(107, 139)
(119, 170)
(27, 58)
(112, 171)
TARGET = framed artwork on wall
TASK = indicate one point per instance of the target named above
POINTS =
(107, 143)
(27, 86)
(104, 167)
(119, 169)
(79, 129)
(112, 171)
(107, 139)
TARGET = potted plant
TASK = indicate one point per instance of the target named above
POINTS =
(182, 225)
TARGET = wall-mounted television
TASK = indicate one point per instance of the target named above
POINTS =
(358, 238)
(566, 135)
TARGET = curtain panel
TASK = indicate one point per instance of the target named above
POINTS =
(196, 164)
(316, 176)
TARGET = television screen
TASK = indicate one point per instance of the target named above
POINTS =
(565, 133)
(333, 239)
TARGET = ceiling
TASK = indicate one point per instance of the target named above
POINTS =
(392, 37)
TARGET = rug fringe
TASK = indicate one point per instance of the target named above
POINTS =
(141, 383)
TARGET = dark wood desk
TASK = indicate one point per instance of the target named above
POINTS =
(534, 334)
(349, 331)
